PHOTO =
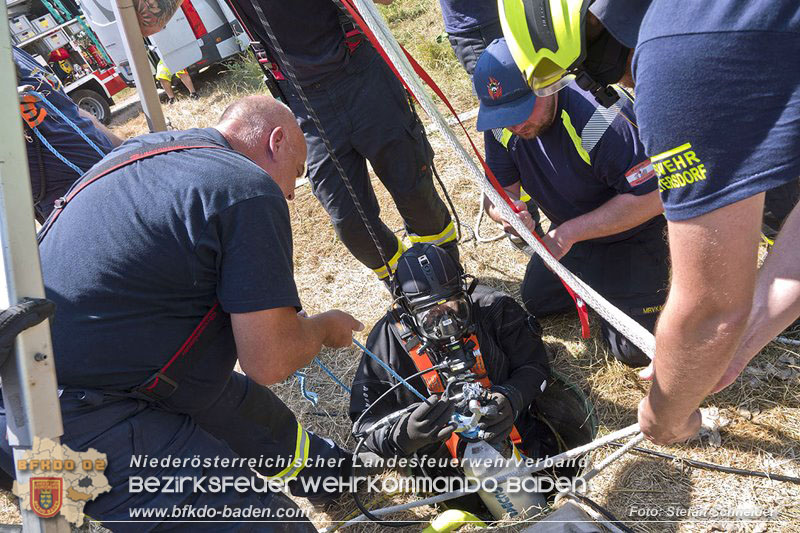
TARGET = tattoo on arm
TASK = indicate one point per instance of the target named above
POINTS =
(153, 15)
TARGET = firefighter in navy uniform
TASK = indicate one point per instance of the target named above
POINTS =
(587, 170)
(715, 162)
(171, 265)
(366, 115)
(440, 317)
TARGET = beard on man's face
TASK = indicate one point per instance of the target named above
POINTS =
(530, 130)
(534, 126)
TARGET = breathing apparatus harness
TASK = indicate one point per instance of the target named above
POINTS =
(438, 333)
(440, 327)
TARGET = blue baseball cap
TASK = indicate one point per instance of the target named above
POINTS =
(505, 97)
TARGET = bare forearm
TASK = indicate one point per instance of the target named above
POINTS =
(299, 346)
(693, 347)
(273, 343)
(776, 303)
(115, 141)
(621, 213)
(153, 15)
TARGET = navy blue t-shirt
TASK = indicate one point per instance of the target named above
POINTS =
(577, 164)
(718, 96)
(465, 15)
(59, 177)
(309, 31)
(138, 257)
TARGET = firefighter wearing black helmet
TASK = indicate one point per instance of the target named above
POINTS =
(718, 103)
(440, 318)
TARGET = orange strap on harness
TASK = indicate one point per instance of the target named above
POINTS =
(433, 381)
(32, 115)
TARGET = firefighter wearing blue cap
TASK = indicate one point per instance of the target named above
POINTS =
(586, 168)
(718, 89)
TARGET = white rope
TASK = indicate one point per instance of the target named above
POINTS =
(599, 467)
(787, 340)
(477, 231)
(537, 467)
(629, 328)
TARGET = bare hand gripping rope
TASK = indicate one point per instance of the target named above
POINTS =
(619, 320)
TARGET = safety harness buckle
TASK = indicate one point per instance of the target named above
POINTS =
(158, 387)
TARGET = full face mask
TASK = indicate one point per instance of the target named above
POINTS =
(443, 320)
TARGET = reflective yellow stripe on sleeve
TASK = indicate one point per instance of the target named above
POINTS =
(300, 457)
(576, 139)
(505, 137)
(381, 272)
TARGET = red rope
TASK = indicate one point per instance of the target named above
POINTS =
(583, 314)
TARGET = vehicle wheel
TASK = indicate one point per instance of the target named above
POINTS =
(94, 103)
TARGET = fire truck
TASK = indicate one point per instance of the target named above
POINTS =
(83, 46)
(55, 33)
(199, 34)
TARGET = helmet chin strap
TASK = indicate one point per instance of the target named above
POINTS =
(605, 64)
(605, 95)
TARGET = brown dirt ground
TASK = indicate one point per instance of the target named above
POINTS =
(763, 406)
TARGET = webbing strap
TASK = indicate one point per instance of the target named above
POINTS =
(105, 167)
(165, 382)
(433, 381)
(583, 313)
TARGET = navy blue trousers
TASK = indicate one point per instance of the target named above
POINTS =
(632, 274)
(367, 117)
(243, 420)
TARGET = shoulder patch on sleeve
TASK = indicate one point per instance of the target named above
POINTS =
(640, 173)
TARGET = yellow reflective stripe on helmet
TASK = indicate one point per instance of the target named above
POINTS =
(300, 457)
(518, 38)
(576, 139)
(381, 272)
(446, 235)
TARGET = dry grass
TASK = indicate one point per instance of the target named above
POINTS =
(763, 406)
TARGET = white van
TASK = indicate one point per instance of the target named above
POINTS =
(200, 33)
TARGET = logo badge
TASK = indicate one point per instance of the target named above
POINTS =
(640, 173)
(46, 495)
(495, 89)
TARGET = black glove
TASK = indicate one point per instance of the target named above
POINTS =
(496, 425)
(426, 424)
